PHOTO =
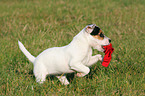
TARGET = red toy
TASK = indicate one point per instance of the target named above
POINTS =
(107, 58)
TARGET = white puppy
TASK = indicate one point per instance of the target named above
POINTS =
(74, 57)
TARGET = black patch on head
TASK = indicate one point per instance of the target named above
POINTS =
(95, 31)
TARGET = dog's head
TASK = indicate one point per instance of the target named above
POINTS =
(97, 37)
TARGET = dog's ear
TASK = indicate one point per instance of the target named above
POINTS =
(90, 28)
(95, 31)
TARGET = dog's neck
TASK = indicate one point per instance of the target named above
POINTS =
(85, 38)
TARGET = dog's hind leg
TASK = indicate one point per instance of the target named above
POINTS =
(40, 78)
(40, 73)
(63, 80)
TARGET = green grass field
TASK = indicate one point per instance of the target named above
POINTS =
(40, 24)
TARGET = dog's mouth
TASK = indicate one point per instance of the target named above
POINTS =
(103, 46)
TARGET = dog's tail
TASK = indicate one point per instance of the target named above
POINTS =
(27, 54)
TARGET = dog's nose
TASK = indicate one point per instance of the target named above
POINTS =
(109, 40)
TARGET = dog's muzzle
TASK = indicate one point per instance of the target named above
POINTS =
(109, 40)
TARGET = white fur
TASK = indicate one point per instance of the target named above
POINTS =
(27, 54)
(76, 56)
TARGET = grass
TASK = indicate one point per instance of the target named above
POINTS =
(40, 24)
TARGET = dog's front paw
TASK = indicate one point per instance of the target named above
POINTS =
(80, 75)
(100, 57)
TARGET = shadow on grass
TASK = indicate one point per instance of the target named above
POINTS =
(69, 76)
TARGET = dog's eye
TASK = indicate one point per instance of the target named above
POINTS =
(101, 35)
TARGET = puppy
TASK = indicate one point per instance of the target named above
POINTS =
(74, 57)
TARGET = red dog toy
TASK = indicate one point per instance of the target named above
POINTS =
(107, 58)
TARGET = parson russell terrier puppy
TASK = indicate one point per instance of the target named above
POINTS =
(74, 57)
